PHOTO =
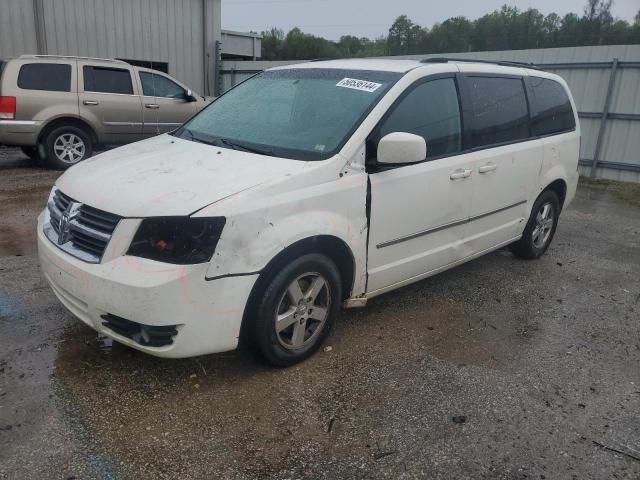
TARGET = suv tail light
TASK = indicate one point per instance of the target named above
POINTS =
(7, 108)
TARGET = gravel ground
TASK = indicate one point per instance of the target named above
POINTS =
(537, 362)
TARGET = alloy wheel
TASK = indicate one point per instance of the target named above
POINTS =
(544, 225)
(302, 311)
(69, 148)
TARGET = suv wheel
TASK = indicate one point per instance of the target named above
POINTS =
(66, 146)
(297, 309)
(540, 228)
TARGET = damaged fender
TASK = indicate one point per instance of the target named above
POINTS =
(262, 223)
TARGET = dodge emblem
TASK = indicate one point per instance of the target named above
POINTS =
(64, 230)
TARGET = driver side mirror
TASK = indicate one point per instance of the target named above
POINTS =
(401, 147)
(189, 97)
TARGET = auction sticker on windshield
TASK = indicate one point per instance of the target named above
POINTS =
(361, 85)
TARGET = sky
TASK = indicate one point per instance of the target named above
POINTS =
(372, 18)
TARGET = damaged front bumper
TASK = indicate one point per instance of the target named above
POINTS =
(164, 310)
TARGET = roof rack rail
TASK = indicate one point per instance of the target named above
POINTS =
(72, 57)
(504, 63)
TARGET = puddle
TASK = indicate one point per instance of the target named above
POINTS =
(8, 307)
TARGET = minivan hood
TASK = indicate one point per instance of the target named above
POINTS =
(168, 176)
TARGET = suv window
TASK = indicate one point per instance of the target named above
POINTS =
(432, 111)
(107, 80)
(159, 86)
(52, 77)
(2, 64)
(553, 112)
(500, 112)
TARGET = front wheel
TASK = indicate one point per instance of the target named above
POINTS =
(67, 146)
(297, 309)
(540, 228)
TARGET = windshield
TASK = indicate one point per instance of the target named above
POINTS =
(303, 114)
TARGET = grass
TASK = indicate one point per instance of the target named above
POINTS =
(626, 191)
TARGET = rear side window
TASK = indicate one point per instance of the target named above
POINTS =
(52, 77)
(499, 110)
(551, 106)
(432, 111)
(158, 86)
(107, 80)
(2, 64)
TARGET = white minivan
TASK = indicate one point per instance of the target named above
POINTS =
(305, 189)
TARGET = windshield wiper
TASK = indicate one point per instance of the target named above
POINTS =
(237, 146)
(191, 136)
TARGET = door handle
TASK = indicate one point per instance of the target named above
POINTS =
(90, 102)
(488, 167)
(152, 106)
(460, 173)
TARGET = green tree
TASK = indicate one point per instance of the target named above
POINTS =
(551, 30)
(298, 45)
(505, 29)
(452, 35)
(596, 21)
(272, 44)
(350, 46)
(404, 37)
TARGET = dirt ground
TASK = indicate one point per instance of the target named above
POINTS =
(538, 362)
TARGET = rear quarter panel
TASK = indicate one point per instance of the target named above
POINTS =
(37, 107)
(40, 105)
(561, 152)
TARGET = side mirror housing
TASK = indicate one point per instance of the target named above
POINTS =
(189, 97)
(401, 147)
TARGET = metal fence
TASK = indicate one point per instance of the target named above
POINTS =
(605, 82)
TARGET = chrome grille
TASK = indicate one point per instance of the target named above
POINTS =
(86, 230)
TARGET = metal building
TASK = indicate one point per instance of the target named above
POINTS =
(181, 37)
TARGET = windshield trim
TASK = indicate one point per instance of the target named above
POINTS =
(293, 153)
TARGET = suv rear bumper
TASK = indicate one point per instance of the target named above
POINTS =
(19, 133)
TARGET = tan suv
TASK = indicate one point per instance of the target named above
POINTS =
(60, 108)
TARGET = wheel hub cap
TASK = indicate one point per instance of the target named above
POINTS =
(302, 311)
(544, 225)
(69, 148)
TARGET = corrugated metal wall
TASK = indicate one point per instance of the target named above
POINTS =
(170, 31)
(17, 27)
(620, 143)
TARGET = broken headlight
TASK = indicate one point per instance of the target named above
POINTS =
(177, 240)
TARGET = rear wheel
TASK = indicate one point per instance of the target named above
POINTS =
(67, 146)
(540, 228)
(296, 310)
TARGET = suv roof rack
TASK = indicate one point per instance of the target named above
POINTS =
(504, 63)
(73, 57)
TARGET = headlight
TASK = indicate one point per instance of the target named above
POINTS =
(177, 240)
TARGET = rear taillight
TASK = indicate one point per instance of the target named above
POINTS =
(7, 108)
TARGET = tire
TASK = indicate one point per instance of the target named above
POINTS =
(67, 146)
(540, 229)
(304, 324)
